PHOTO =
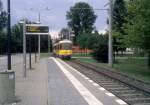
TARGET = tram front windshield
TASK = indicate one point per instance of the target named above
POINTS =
(66, 46)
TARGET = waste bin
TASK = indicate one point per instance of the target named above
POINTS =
(7, 87)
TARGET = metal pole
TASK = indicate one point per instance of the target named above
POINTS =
(30, 52)
(39, 40)
(35, 47)
(24, 49)
(9, 37)
(39, 18)
(110, 49)
(39, 45)
(48, 44)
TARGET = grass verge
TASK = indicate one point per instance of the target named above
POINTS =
(133, 67)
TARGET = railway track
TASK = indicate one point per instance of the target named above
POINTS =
(129, 93)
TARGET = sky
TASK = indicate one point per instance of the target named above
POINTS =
(55, 18)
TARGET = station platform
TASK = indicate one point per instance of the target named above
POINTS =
(67, 86)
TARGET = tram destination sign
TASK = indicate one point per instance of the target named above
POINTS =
(36, 29)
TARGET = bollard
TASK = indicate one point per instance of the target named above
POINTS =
(7, 87)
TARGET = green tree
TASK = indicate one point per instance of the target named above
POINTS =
(3, 21)
(17, 38)
(82, 39)
(3, 42)
(100, 50)
(64, 33)
(1, 6)
(86, 40)
(119, 14)
(81, 18)
(97, 43)
(92, 40)
(3, 17)
(138, 26)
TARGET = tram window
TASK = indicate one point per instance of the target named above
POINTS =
(66, 46)
(60, 47)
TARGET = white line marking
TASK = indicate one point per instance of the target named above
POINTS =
(78, 72)
(87, 95)
(82, 75)
(86, 78)
(70, 67)
(110, 94)
(102, 89)
(91, 81)
(95, 84)
(121, 102)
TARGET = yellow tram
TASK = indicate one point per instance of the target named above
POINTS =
(63, 49)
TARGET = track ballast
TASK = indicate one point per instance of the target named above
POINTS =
(130, 94)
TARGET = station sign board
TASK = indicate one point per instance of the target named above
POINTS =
(36, 29)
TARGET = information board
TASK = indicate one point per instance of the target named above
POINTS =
(36, 29)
